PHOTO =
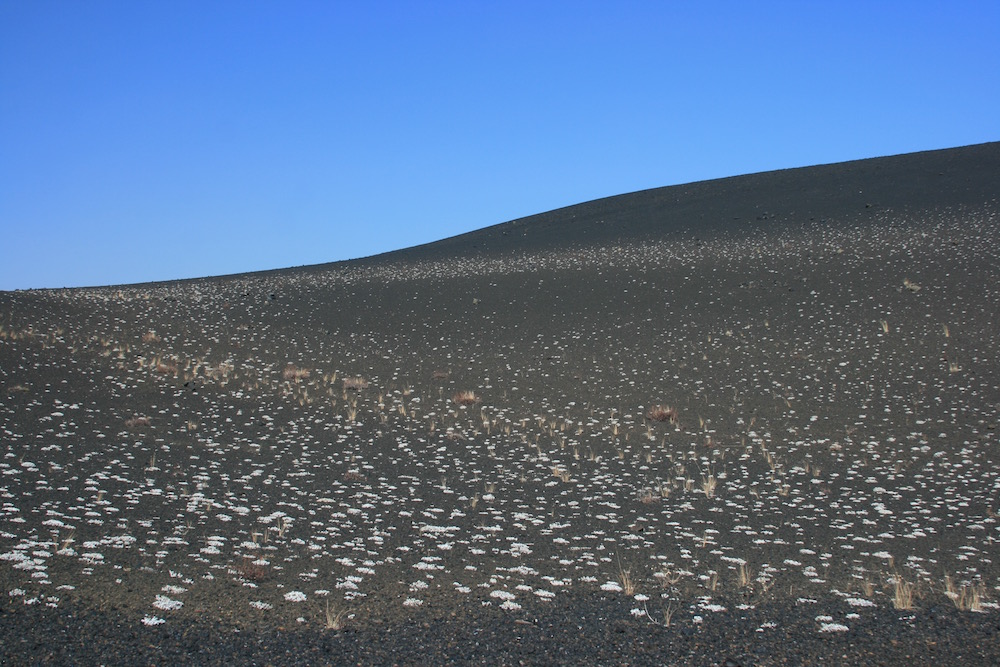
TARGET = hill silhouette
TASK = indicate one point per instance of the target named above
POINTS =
(848, 190)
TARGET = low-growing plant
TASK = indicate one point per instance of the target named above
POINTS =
(251, 569)
(966, 598)
(663, 414)
(668, 614)
(137, 422)
(668, 576)
(167, 368)
(904, 593)
(335, 617)
(294, 373)
(647, 496)
(625, 579)
(466, 397)
(708, 484)
(356, 383)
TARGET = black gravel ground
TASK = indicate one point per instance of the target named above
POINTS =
(571, 632)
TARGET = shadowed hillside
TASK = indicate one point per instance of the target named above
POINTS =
(751, 418)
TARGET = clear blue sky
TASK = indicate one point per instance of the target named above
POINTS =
(156, 140)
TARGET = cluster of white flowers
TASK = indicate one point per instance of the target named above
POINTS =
(166, 604)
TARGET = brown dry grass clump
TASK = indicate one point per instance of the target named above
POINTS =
(467, 397)
(904, 594)
(663, 413)
(250, 569)
(167, 368)
(294, 373)
(137, 422)
(355, 383)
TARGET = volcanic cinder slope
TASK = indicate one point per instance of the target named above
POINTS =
(461, 452)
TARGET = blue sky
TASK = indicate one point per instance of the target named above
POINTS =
(156, 140)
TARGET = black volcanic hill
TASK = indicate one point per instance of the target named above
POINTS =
(752, 419)
(854, 191)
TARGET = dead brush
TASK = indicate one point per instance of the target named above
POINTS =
(668, 614)
(137, 422)
(648, 496)
(668, 576)
(663, 414)
(251, 569)
(709, 484)
(628, 583)
(335, 618)
(466, 397)
(966, 598)
(164, 367)
(294, 373)
(356, 383)
(744, 575)
(904, 593)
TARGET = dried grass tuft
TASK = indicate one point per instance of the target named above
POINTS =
(137, 422)
(294, 373)
(663, 413)
(904, 594)
(251, 569)
(467, 397)
(356, 383)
